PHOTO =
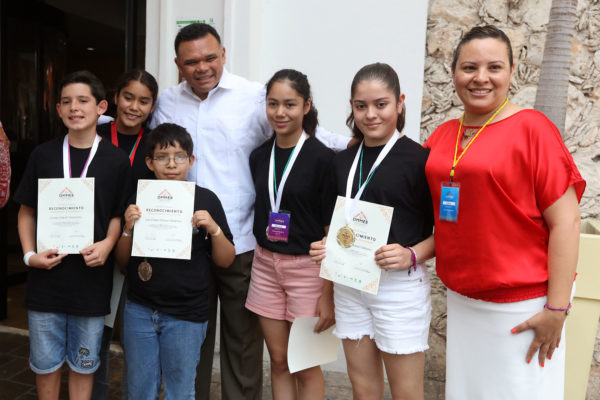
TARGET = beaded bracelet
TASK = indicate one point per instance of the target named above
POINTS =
(566, 309)
(413, 256)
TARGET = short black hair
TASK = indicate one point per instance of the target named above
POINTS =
(195, 31)
(165, 135)
(85, 77)
(483, 32)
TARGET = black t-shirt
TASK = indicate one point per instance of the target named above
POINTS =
(398, 182)
(180, 287)
(72, 287)
(126, 143)
(308, 195)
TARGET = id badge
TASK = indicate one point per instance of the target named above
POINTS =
(449, 201)
(279, 227)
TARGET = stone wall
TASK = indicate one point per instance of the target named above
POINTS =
(524, 21)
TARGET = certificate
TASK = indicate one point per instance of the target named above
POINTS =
(65, 214)
(350, 250)
(308, 349)
(165, 228)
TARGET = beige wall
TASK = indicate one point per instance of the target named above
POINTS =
(524, 21)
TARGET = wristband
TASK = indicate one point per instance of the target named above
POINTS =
(27, 256)
(566, 309)
(413, 256)
(125, 234)
(217, 233)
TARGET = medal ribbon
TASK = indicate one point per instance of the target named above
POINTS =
(67, 157)
(349, 208)
(274, 194)
(456, 160)
(114, 138)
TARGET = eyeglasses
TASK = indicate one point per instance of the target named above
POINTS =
(165, 160)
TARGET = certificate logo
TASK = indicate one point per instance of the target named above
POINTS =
(66, 194)
(361, 218)
(164, 195)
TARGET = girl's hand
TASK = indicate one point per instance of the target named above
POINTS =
(132, 214)
(203, 219)
(548, 327)
(317, 250)
(325, 312)
(47, 259)
(393, 256)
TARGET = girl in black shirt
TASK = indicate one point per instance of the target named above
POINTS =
(390, 327)
(290, 174)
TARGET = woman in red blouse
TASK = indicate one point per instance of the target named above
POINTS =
(506, 202)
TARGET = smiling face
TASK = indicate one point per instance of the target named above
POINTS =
(375, 109)
(286, 109)
(482, 76)
(200, 62)
(78, 109)
(134, 105)
(164, 162)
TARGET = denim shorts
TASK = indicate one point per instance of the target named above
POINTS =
(55, 337)
(283, 286)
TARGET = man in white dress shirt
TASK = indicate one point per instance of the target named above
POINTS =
(225, 115)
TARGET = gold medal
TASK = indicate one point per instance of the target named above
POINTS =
(145, 271)
(345, 237)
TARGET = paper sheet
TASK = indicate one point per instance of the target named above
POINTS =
(307, 349)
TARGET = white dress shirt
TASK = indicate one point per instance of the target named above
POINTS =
(225, 128)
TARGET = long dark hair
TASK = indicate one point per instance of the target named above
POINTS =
(141, 76)
(380, 72)
(299, 82)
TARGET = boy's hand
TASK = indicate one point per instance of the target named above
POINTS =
(96, 254)
(132, 214)
(203, 219)
(325, 312)
(317, 250)
(46, 259)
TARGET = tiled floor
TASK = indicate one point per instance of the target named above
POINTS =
(17, 382)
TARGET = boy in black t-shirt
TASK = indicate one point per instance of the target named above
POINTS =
(68, 295)
(167, 301)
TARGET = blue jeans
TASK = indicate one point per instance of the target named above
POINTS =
(159, 345)
(55, 337)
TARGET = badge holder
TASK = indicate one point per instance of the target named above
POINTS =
(449, 201)
(278, 229)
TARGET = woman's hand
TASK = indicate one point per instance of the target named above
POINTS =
(548, 326)
(97, 254)
(317, 250)
(132, 214)
(393, 256)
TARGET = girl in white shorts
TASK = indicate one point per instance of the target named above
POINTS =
(386, 168)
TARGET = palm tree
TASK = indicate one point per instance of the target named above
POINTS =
(553, 85)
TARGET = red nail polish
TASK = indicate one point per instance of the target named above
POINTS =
(513, 330)
(542, 365)
(528, 361)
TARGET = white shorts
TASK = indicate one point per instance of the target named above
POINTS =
(485, 361)
(397, 318)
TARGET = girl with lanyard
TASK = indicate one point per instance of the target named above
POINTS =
(386, 168)
(135, 98)
(292, 194)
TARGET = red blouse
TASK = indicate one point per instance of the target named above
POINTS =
(517, 167)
